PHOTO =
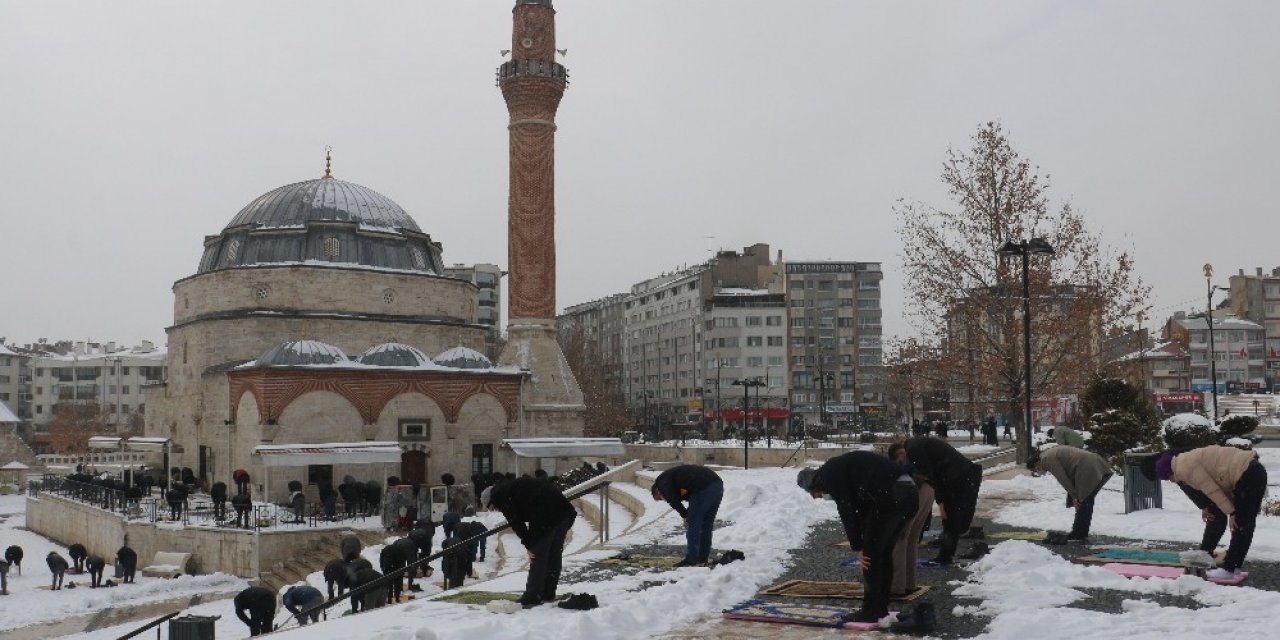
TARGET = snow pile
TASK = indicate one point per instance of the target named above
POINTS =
(1026, 590)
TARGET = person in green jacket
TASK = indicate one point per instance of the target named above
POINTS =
(1082, 473)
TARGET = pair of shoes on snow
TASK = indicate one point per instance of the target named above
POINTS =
(732, 555)
(1220, 573)
(580, 601)
(922, 619)
(977, 550)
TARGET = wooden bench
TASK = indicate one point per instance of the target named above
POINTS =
(167, 564)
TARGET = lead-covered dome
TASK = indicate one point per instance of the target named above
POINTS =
(394, 354)
(324, 221)
(301, 352)
(464, 358)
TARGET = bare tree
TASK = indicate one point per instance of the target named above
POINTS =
(600, 381)
(967, 300)
(73, 424)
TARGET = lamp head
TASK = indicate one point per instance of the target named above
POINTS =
(1039, 247)
(1208, 271)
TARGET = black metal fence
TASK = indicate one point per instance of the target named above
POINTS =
(195, 509)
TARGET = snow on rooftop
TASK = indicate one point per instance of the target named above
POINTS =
(736, 291)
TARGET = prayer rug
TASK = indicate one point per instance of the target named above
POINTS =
(477, 597)
(811, 615)
(817, 589)
(1033, 536)
(1135, 556)
(1143, 570)
(651, 562)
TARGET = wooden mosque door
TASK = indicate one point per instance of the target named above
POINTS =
(413, 467)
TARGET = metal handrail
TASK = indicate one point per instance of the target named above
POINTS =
(154, 623)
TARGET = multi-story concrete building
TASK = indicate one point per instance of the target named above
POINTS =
(745, 338)
(15, 386)
(91, 373)
(1237, 352)
(488, 279)
(834, 340)
(663, 334)
(1257, 298)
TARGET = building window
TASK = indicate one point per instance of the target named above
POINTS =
(331, 247)
(419, 258)
(775, 361)
(320, 474)
(755, 361)
(755, 341)
(262, 292)
(773, 321)
(415, 428)
(233, 250)
(753, 321)
(388, 296)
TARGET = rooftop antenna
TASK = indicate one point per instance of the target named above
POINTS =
(328, 161)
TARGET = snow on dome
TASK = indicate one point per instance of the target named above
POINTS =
(301, 352)
(1184, 421)
(394, 354)
(464, 358)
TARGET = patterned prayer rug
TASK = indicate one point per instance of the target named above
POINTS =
(1135, 556)
(1033, 536)
(811, 615)
(815, 589)
(652, 562)
(477, 597)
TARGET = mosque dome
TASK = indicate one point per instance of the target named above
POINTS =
(325, 221)
(394, 354)
(301, 352)
(464, 358)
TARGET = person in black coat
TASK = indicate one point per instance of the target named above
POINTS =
(127, 558)
(704, 491)
(260, 603)
(329, 500)
(242, 504)
(241, 478)
(218, 493)
(372, 497)
(95, 564)
(374, 597)
(303, 601)
(337, 573)
(350, 547)
(13, 555)
(448, 521)
(874, 497)
(4, 577)
(541, 517)
(423, 535)
(176, 497)
(455, 565)
(955, 479)
(77, 552)
(391, 559)
(470, 529)
(58, 567)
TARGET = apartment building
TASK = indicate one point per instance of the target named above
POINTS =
(1257, 298)
(834, 341)
(488, 278)
(745, 336)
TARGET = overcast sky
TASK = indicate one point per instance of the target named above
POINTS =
(130, 130)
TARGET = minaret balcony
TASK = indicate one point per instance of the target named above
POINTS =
(533, 68)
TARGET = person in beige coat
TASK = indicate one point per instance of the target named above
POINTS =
(1082, 473)
(908, 545)
(1228, 485)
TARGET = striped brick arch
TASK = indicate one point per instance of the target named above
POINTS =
(275, 389)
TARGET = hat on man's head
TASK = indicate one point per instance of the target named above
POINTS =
(805, 478)
(1164, 465)
(1033, 459)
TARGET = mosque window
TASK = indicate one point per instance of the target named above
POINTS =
(419, 259)
(233, 249)
(389, 296)
(332, 247)
(262, 292)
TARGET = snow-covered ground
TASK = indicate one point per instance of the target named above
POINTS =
(1024, 589)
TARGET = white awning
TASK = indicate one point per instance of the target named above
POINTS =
(14, 466)
(301, 455)
(146, 444)
(104, 442)
(565, 447)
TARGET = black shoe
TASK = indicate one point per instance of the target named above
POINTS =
(685, 563)
(1055, 538)
(974, 533)
(528, 603)
(920, 620)
(977, 550)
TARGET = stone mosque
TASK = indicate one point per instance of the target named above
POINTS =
(319, 321)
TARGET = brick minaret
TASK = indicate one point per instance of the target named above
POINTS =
(532, 84)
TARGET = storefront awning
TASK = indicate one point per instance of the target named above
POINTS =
(301, 455)
(104, 442)
(146, 444)
(565, 447)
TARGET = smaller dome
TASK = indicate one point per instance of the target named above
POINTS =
(394, 354)
(464, 358)
(299, 352)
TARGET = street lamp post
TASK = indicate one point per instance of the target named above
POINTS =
(746, 384)
(823, 379)
(1213, 356)
(1026, 249)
